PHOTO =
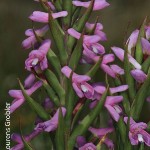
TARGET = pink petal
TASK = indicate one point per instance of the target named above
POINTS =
(118, 70)
(119, 89)
(108, 70)
(145, 46)
(132, 40)
(139, 75)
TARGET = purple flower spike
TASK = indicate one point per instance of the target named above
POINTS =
(42, 17)
(138, 75)
(103, 132)
(112, 107)
(19, 98)
(79, 83)
(17, 138)
(145, 46)
(98, 5)
(37, 58)
(137, 134)
(88, 146)
(31, 40)
(132, 40)
(120, 54)
(148, 99)
(51, 124)
(119, 89)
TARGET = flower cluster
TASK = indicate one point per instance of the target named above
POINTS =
(79, 111)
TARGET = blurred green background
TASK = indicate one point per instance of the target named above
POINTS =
(120, 18)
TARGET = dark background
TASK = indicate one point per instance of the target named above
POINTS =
(123, 16)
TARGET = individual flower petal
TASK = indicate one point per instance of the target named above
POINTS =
(108, 70)
(118, 89)
(42, 17)
(98, 5)
(132, 40)
(118, 70)
(145, 46)
(88, 146)
(29, 81)
(138, 75)
(108, 58)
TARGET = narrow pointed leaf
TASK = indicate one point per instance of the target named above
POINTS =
(87, 121)
(34, 105)
(94, 68)
(140, 99)
(67, 5)
(60, 142)
(53, 81)
(77, 53)
(139, 52)
(128, 78)
(54, 61)
(58, 39)
(51, 93)
(122, 129)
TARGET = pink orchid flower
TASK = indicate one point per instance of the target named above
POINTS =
(51, 124)
(37, 58)
(31, 41)
(79, 83)
(137, 134)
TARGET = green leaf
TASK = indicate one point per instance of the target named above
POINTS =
(146, 65)
(58, 37)
(87, 121)
(80, 24)
(94, 69)
(140, 99)
(122, 129)
(128, 78)
(67, 5)
(59, 139)
(54, 61)
(141, 146)
(76, 55)
(53, 81)
(139, 52)
(34, 105)
(51, 93)
(58, 5)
